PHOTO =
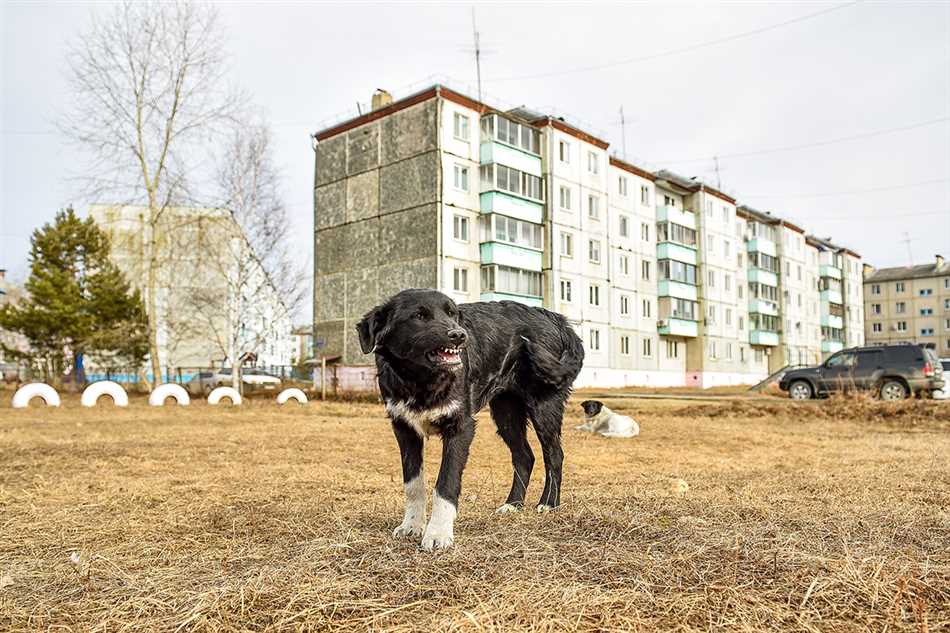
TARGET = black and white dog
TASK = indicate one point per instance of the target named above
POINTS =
(438, 364)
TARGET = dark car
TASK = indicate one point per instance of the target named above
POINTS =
(893, 372)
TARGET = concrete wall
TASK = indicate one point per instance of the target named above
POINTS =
(377, 195)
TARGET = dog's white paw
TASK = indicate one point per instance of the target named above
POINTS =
(437, 537)
(411, 528)
(508, 508)
(544, 508)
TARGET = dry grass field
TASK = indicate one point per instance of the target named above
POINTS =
(822, 516)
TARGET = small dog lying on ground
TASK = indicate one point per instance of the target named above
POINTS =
(605, 422)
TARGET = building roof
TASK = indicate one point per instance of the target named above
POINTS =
(633, 169)
(922, 271)
(692, 184)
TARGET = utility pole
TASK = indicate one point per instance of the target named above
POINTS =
(478, 56)
(623, 132)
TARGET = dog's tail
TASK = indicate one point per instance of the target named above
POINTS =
(556, 370)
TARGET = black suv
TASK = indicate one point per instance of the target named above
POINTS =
(893, 371)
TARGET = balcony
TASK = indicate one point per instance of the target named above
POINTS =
(761, 245)
(677, 252)
(511, 205)
(762, 276)
(669, 288)
(761, 306)
(832, 321)
(677, 327)
(510, 156)
(830, 347)
(676, 216)
(763, 337)
(827, 270)
(504, 296)
(831, 296)
(510, 255)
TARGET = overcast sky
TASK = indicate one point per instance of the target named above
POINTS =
(694, 80)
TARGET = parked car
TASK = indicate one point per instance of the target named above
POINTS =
(252, 379)
(944, 392)
(893, 372)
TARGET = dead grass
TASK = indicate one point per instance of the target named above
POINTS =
(798, 517)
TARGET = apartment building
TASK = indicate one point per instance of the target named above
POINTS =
(214, 300)
(665, 279)
(909, 304)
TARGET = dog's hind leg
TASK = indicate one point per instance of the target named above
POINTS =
(456, 440)
(413, 477)
(511, 418)
(547, 416)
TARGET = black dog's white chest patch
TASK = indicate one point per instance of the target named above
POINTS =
(422, 421)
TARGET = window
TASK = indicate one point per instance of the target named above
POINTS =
(622, 186)
(519, 135)
(645, 270)
(644, 231)
(725, 214)
(759, 354)
(512, 231)
(876, 327)
(741, 323)
(646, 308)
(711, 315)
(592, 162)
(727, 283)
(669, 232)
(672, 270)
(594, 295)
(624, 226)
(673, 308)
(564, 151)
(511, 280)
(647, 348)
(710, 243)
(460, 127)
(901, 307)
(725, 247)
(946, 304)
(875, 289)
(799, 273)
(461, 177)
(902, 326)
(788, 269)
(926, 292)
(764, 262)
(728, 351)
(709, 208)
(712, 278)
(566, 290)
(644, 195)
(875, 308)
(460, 280)
(728, 316)
(460, 228)
(593, 207)
(739, 259)
(493, 176)
(739, 290)
(594, 340)
(926, 311)
(624, 305)
(567, 244)
(672, 349)
(625, 345)
(899, 286)
(593, 251)
(927, 331)
(565, 198)
(624, 265)
(713, 355)
(742, 353)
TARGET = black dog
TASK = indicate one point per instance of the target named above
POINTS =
(438, 364)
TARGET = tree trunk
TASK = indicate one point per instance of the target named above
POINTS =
(151, 308)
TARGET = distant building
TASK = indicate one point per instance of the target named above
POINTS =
(909, 304)
(303, 344)
(667, 281)
(205, 291)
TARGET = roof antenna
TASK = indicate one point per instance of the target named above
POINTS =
(910, 253)
(623, 131)
(478, 57)
(718, 180)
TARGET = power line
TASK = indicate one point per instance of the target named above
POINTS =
(888, 216)
(788, 148)
(845, 193)
(677, 51)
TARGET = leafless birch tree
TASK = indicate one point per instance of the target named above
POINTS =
(149, 94)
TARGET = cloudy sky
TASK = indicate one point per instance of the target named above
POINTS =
(835, 115)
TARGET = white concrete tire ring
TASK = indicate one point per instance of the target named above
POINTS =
(292, 394)
(168, 390)
(96, 390)
(218, 393)
(23, 395)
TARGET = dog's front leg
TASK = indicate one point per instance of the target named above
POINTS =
(413, 477)
(456, 440)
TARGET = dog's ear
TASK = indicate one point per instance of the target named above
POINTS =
(373, 328)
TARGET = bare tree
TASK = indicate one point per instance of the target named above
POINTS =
(149, 93)
(255, 284)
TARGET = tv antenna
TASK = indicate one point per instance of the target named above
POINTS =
(623, 133)
(718, 179)
(478, 56)
(910, 252)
